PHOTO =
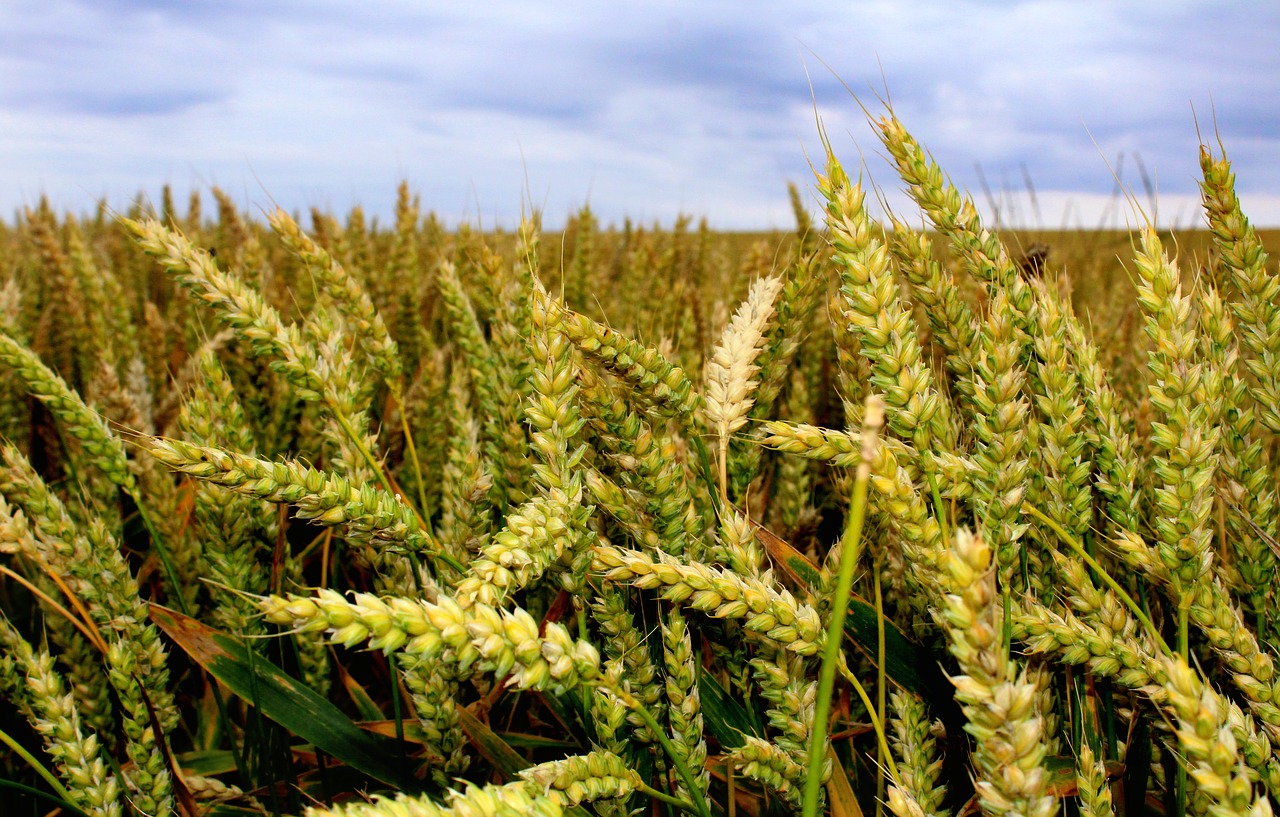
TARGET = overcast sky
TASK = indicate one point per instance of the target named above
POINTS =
(644, 109)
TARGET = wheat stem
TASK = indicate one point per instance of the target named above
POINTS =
(850, 546)
(1079, 550)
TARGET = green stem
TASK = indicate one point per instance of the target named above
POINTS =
(450, 561)
(584, 694)
(873, 419)
(27, 790)
(166, 560)
(237, 757)
(938, 508)
(354, 436)
(724, 470)
(39, 767)
(1185, 597)
(1079, 550)
(397, 715)
(412, 445)
(1180, 791)
(704, 466)
(386, 483)
(650, 791)
(881, 687)
(877, 724)
(416, 566)
(1184, 618)
(682, 768)
(1006, 629)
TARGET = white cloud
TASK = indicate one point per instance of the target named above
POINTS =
(647, 110)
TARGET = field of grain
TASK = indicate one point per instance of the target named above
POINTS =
(873, 516)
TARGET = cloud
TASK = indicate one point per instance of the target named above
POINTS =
(647, 109)
(115, 102)
(1038, 83)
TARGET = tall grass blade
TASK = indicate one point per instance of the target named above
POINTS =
(284, 699)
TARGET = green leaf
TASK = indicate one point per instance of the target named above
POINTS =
(62, 805)
(494, 748)
(567, 710)
(411, 731)
(369, 709)
(1061, 775)
(286, 700)
(497, 751)
(726, 719)
(207, 763)
(794, 564)
(1137, 761)
(522, 741)
(906, 663)
(840, 791)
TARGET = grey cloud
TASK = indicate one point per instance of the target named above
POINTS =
(1006, 87)
(117, 102)
(641, 106)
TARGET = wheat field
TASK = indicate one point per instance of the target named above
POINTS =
(879, 515)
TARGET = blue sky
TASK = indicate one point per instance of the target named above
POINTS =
(642, 109)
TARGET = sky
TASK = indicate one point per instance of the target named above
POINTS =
(645, 110)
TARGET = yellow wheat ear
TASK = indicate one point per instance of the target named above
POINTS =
(731, 370)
